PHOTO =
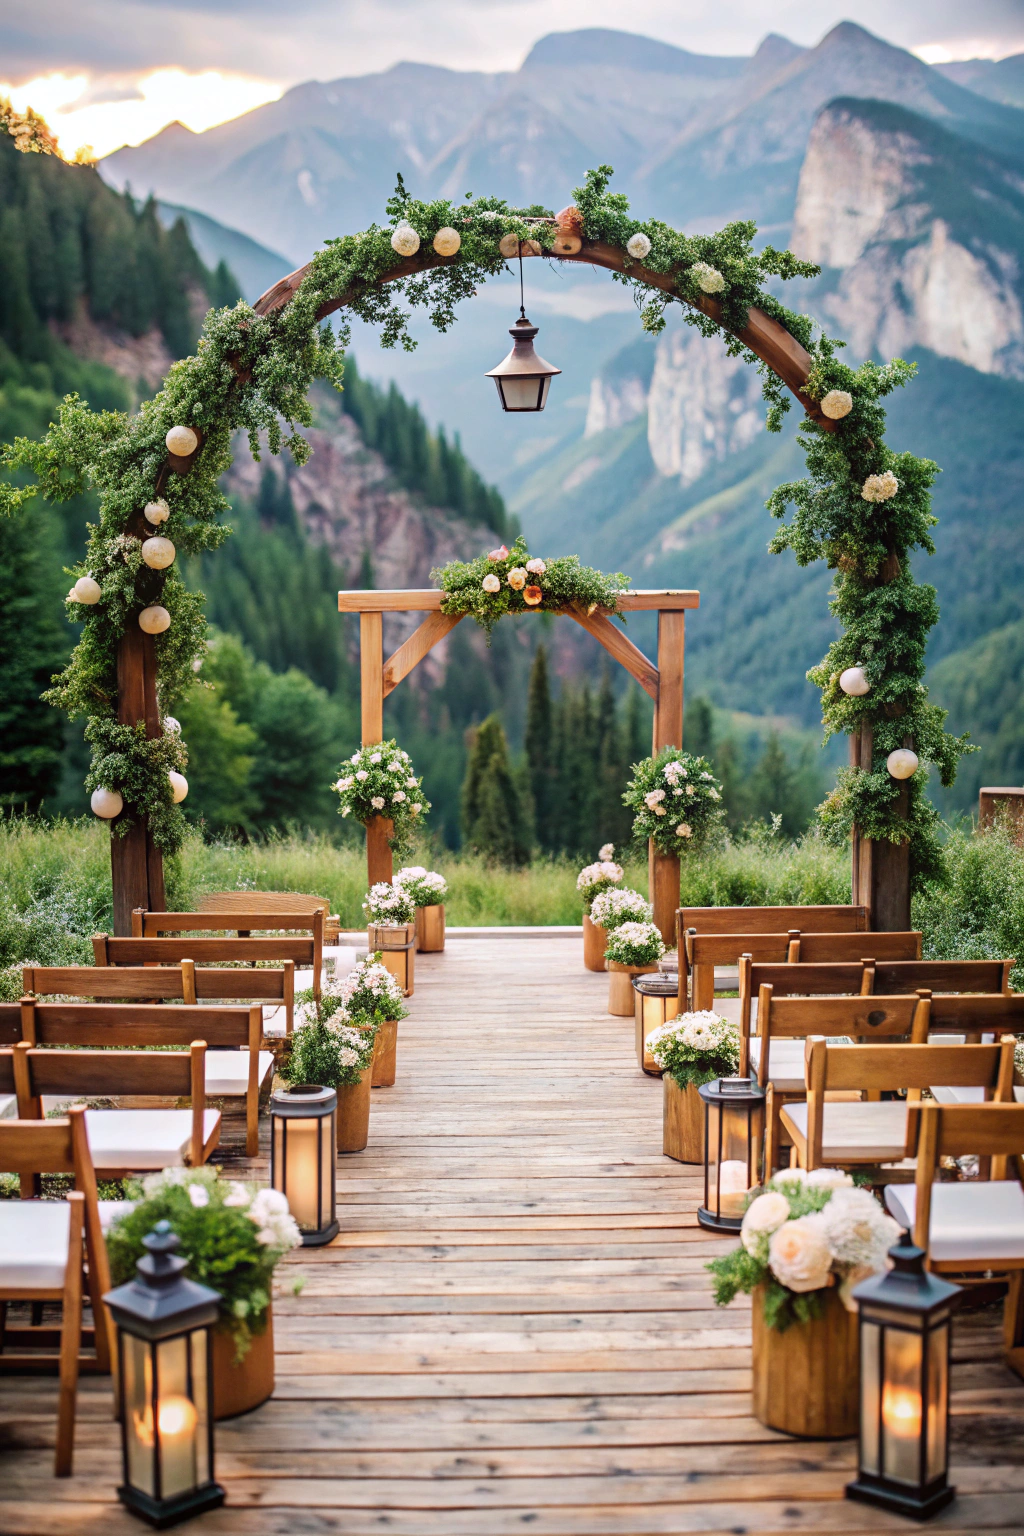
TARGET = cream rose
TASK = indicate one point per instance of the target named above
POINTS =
(799, 1255)
(517, 578)
(763, 1217)
(491, 583)
(880, 487)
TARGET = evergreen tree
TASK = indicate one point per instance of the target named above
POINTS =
(493, 819)
(34, 642)
(773, 788)
(699, 727)
(539, 743)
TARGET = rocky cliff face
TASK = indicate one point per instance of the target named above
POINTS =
(703, 405)
(923, 236)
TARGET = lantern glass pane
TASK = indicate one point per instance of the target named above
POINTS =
(938, 1402)
(200, 1345)
(870, 1392)
(714, 1121)
(901, 1406)
(301, 1165)
(523, 392)
(137, 1364)
(328, 1136)
(177, 1420)
(739, 1159)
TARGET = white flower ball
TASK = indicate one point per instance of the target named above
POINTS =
(684, 829)
(154, 620)
(763, 1217)
(854, 681)
(158, 553)
(536, 567)
(447, 241)
(491, 583)
(156, 512)
(836, 404)
(829, 1178)
(172, 726)
(880, 487)
(106, 803)
(86, 590)
(638, 246)
(181, 441)
(517, 578)
(709, 279)
(405, 240)
(902, 763)
(179, 786)
(799, 1255)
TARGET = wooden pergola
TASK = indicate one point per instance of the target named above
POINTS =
(664, 684)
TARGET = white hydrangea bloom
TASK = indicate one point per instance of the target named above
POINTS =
(638, 246)
(880, 487)
(709, 279)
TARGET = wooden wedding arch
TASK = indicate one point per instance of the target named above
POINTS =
(881, 871)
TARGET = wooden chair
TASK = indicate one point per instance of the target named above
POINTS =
(241, 921)
(122, 1141)
(797, 980)
(873, 1134)
(170, 983)
(978, 1225)
(778, 1052)
(42, 1255)
(235, 1065)
(700, 953)
(276, 950)
(273, 901)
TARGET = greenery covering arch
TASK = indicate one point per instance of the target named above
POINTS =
(254, 366)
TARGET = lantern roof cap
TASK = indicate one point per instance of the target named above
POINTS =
(523, 359)
(731, 1090)
(303, 1101)
(665, 984)
(908, 1285)
(161, 1300)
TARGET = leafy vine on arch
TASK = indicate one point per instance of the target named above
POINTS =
(862, 508)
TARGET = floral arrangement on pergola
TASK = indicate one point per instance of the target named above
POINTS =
(862, 508)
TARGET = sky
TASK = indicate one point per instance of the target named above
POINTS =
(111, 72)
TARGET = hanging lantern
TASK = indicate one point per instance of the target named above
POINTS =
(902, 763)
(86, 590)
(106, 803)
(158, 553)
(655, 1002)
(904, 1386)
(166, 1386)
(734, 1113)
(156, 512)
(523, 379)
(182, 442)
(179, 785)
(302, 1152)
(854, 681)
(154, 620)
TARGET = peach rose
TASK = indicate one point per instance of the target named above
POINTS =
(799, 1256)
(532, 596)
(517, 578)
(501, 553)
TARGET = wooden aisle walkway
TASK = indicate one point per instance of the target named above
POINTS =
(514, 1331)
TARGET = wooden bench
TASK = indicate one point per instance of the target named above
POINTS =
(943, 975)
(242, 922)
(265, 902)
(272, 951)
(849, 978)
(700, 953)
(170, 983)
(234, 1063)
(43, 1246)
(122, 1141)
(973, 1014)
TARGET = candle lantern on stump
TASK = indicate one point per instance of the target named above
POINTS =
(655, 1002)
(302, 1148)
(166, 1387)
(734, 1117)
(904, 1386)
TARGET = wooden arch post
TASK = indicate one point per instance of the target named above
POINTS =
(663, 683)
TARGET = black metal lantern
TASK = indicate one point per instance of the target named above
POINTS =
(904, 1386)
(734, 1115)
(303, 1140)
(166, 1387)
(522, 378)
(655, 1002)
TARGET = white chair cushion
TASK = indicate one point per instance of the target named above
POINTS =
(979, 1219)
(969, 1095)
(786, 1062)
(143, 1139)
(857, 1133)
(227, 1072)
(8, 1106)
(34, 1244)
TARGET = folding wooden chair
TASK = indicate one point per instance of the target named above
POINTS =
(976, 1226)
(42, 1256)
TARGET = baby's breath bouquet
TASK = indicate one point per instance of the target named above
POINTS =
(635, 944)
(378, 780)
(595, 878)
(696, 1048)
(610, 908)
(676, 800)
(801, 1234)
(369, 993)
(426, 887)
(389, 905)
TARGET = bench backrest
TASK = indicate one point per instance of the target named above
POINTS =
(700, 953)
(943, 975)
(276, 950)
(979, 1013)
(182, 982)
(993, 1131)
(865, 1018)
(772, 919)
(791, 981)
(129, 1026)
(822, 948)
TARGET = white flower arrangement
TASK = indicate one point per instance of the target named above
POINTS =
(638, 246)
(676, 800)
(595, 878)
(619, 905)
(389, 905)
(836, 404)
(369, 993)
(696, 1047)
(606, 852)
(708, 278)
(635, 944)
(803, 1233)
(880, 487)
(378, 780)
(426, 887)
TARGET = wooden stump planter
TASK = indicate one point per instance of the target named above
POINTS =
(430, 929)
(385, 1055)
(241, 1385)
(595, 942)
(807, 1379)
(397, 945)
(682, 1135)
(354, 1112)
(620, 986)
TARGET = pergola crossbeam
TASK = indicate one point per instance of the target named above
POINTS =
(622, 648)
(419, 644)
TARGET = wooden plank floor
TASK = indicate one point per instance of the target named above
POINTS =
(514, 1331)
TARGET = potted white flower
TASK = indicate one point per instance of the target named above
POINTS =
(590, 882)
(335, 1048)
(633, 949)
(391, 929)
(693, 1049)
(372, 998)
(807, 1240)
(619, 905)
(428, 890)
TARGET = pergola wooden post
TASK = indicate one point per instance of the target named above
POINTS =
(664, 684)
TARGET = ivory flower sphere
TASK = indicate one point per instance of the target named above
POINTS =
(854, 681)
(447, 241)
(836, 404)
(179, 786)
(763, 1217)
(638, 246)
(880, 487)
(536, 567)
(182, 442)
(902, 763)
(86, 590)
(155, 619)
(532, 596)
(709, 279)
(517, 578)
(106, 803)
(405, 240)
(799, 1255)
(491, 583)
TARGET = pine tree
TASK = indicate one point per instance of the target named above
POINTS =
(493, 820)
(699, 727)
(539, 743)
(773, 788)
(34, 642)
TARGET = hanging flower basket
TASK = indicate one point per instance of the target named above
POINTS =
(378, 781)
(676, 800)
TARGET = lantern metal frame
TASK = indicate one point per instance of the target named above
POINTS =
(661, 988)
(910, 1301)
(523, 365)
(157, 1308)
(307, 1101)
(736, 1095)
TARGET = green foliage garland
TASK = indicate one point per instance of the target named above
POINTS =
(545, 585)
(124, 759)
